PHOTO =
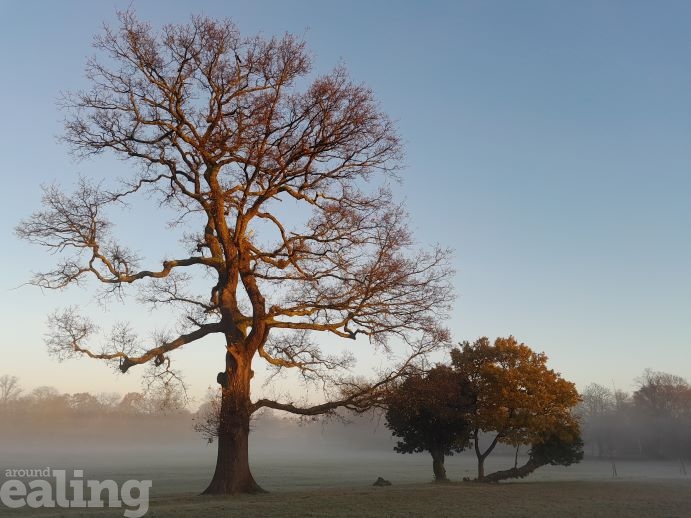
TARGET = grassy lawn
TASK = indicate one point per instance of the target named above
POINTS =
(656, 498)
(341, 486)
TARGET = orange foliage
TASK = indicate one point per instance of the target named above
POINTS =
(519, 399)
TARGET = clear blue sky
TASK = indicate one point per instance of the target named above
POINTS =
(548, 143)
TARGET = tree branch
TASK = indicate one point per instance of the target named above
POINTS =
(69, 331)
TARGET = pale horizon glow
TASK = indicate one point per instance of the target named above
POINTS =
(548, 143)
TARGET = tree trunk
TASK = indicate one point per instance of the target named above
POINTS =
(523, 471)
(482, 456)
(438, 466)
(232, 474)
(481, 468)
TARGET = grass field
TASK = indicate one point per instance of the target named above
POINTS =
(341, 486)
(549, 499)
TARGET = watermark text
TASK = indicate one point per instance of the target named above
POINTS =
(40, 492)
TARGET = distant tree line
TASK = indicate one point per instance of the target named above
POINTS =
(653, 422)
(45, 417)
(47, 401)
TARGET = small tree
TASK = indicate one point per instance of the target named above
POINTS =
(662, 394)
(10, 395)
(208, 415)
(598, 413)
(132, 403)
(277, 183)
(9, 389)
(663, 407)
(84, 403)
(518, 399)
(429, 412)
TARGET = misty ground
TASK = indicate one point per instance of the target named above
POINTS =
(338, 483)
(605, 498)
(318, 470)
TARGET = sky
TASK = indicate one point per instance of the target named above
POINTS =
(547, 143)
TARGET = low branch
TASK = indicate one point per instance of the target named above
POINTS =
(358, 396)
(159, 351)
(69, 332)
(520, 472)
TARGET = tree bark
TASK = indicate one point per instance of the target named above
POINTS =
(520, 472)
(232, 474)
(438, 466)
(482, 456)
(481, 468)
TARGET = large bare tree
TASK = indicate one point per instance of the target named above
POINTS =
(237, 136)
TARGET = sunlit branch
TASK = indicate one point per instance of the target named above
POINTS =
(358, 396)
(158, 352)
(69, 332)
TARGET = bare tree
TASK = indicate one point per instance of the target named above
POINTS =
(109, 401)
(597, 410)
(662, 394)
(225, 137)
(663, 406)
(9, 389)
(207, 417)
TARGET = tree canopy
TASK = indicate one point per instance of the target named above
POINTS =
(429, 412)
(662, 406)
(519, 401)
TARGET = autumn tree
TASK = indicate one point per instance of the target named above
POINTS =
(276, 180)
(519, 401)
(430, 412)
